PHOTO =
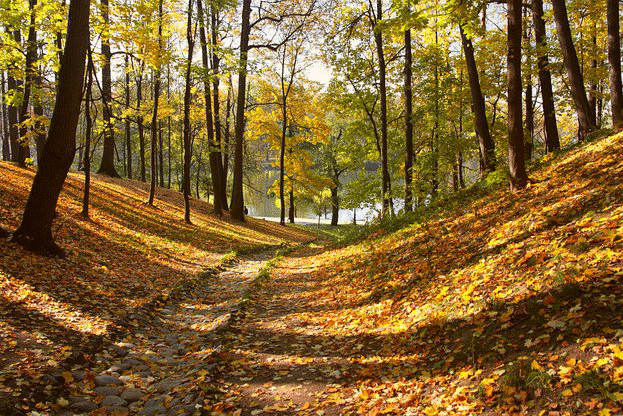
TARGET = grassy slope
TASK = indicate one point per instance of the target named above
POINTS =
(512, 303)
(126, 255)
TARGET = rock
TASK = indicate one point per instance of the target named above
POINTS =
(132, 395)
(125, 379)
(177, 410)
(104, 380)
(119, 368)
(108, 390)
(166, 385)
(115, 411)
(84, 406)
(78, 374)
(190, 398)
(127, 345)
(113, 401)
(154, 410)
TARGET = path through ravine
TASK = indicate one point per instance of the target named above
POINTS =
(166, 363)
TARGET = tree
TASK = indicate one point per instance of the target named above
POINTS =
(487, 146)
(614, 59)
(214, 154)
(31, 53)
(408, 124)
(107, 167)
(35, 230)
(154, 118)
(516, 158)
(552, 142)
(375, 22)
(237, 198)
(190, 38)
(586, 119)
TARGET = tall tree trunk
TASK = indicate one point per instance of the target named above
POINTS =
(35, 230)
(216, 113)
(160, 154)
(107, 166)
(529, 122)
(291, 210)
(13, 121)
(487, 146)
(614, 60)
(31, 55)
(335, 205)
(87, 138)
(516, 159)
(169, 128)
(408, 124)
(39, 132)
(592, 95)
(378, 39)
(139, 121)
(586, 119)
(154, 118)
(187, 142)
(552, 142)
(6, 141)
(198, 177)
(237, 199)
(434, 138)
(128, 133)
(227, 136)
(214, 154)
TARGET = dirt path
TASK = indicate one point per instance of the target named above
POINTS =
(277, 363)
(165, 363)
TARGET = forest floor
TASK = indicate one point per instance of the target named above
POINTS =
(497, 303)
(502, 304)
(56, 314)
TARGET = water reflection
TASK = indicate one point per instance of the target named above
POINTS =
(262, 203)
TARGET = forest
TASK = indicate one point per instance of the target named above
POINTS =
(466, 158)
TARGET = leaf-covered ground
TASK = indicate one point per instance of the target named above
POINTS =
(125, 258)
(512, 304)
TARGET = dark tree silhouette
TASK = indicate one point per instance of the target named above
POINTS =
(516, 155)
(35, 230)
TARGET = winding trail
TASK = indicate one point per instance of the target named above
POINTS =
(164, 365)
(275, 362)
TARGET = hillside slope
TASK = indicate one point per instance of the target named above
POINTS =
(510, 304)
(124, 258)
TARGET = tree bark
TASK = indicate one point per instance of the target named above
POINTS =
(216, 112)
(214, 155)
(516, 160)
(31, 55)
(335, 205)
(378, 39)
(614, 59)
(139, 121)
(87, 138)
(586, 119)
(487, 146)
(6, 141)
(237, 199)
(13, 121)
(552, 141)
(408, 123)
(529, 122)
(107, 166)
(154, 118)
(35, 230)
(128, 135)
(187, 142)
(291, 210)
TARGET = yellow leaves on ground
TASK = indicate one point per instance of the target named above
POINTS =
(125, 256)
